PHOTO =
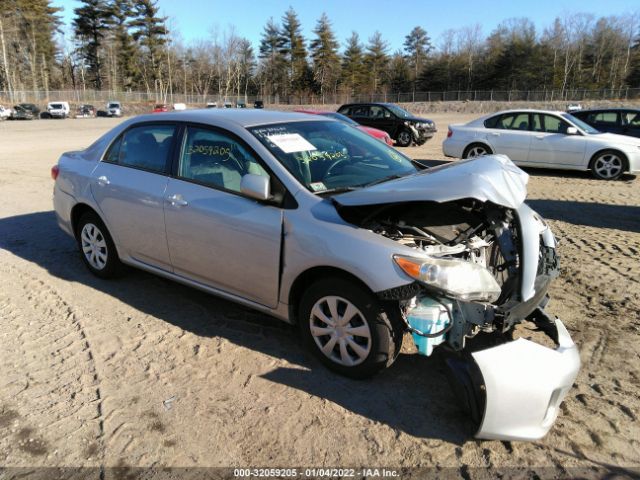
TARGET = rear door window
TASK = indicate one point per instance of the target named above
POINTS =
(606, 118)
(514, 121)
(147, 147)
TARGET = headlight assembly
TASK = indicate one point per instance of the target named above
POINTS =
(458, 279)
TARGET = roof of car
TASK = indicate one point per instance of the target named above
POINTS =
(240, 117)
(610, 109)
(528, 110)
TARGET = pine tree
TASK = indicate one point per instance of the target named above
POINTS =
(633, 78)
(417, 46)
(150, 31)
(90, 25)
(272, 61)
(292, 47)
(353, 67)
(400, 73)
(324, 51)
(122, 11)
(376, 60)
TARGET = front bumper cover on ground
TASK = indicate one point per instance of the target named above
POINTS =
(514, 390)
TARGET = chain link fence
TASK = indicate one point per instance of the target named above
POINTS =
(99, 97)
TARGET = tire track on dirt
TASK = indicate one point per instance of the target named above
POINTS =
(59, 384)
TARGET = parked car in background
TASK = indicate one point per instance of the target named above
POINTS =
(227, 104)
(212, 105)
(374, 132)
(574, 107)
(21, 113)
(30, 107)
(86, 111)
(241, 104)
(375, 245)
(58, 110)
(160, 107)
(258, 104)
(401, 125)
(5, 113)
(623, 121)
(546, 139)
(114, 109)
(179, 106)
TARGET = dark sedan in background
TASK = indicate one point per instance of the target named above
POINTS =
(404, 127)
(623, 121)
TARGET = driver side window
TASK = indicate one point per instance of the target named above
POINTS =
(553, 124)
(216, 160)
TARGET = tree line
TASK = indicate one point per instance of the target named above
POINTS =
(126, 45)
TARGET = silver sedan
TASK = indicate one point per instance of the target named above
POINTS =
(314, 222)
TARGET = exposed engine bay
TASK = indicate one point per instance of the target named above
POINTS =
(458, 233)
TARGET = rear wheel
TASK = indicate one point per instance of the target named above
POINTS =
(346, 327)
(96, 246)
(404, 138)
(607, 165)
(476, 150)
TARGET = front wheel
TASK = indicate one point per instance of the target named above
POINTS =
(608, 165)
(404, 138)
(96, 246)
(346, 327)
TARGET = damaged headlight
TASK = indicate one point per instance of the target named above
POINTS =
(456, 278)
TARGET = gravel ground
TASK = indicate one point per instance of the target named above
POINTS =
(145, 372)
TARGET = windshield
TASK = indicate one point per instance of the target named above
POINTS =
(339, 116)
(399, 112)
(56, 106)
(329, 156)
(114, 105)
(579, 123)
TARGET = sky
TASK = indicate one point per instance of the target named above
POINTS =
(196, 19)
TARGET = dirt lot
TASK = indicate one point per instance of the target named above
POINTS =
(146, 372)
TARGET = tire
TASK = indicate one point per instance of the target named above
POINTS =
(608, 165)
(476, 150)
(97, 250)
(377, 342)
(404, 138)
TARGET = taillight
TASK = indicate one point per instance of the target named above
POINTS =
(55, 170)
(449, 133)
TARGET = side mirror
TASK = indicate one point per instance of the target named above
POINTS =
(255, 186)
(572, 131)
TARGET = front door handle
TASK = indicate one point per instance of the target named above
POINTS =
(102, 181)
(495, 134)
(540, 137)
(177, 200)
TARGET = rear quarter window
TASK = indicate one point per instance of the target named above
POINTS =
(492, 122)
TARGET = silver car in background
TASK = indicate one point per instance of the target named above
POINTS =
(314, 222)
(545, 139)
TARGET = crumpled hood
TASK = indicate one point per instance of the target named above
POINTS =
(491, 178)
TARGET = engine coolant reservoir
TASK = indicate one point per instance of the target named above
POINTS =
(428, 316)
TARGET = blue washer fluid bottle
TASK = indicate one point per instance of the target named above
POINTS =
(428, 316)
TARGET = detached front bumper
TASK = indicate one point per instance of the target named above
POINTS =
(515, 389)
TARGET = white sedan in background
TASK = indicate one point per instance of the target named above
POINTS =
(546, 139)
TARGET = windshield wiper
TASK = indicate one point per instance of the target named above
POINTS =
(383, 179)
(337, 190)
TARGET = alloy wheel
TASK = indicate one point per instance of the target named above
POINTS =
(340, 331)
(476, 151)
(608, 165)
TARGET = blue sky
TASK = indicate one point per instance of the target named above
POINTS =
(195, 19)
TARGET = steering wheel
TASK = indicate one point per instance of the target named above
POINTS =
(337, 162)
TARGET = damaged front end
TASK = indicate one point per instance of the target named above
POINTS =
(482, 262)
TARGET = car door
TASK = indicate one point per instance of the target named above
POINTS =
(510, 136)
(607, 121)
(129, 186)
(631, 123)
(216, 235)
(552, 145)
(382, 119)
(360, 113)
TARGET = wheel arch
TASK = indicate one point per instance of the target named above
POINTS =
(78, 210)
(311, 275)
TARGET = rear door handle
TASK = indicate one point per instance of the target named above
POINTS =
(540, 137)
(102, 181)
(495, 134)
(177, 200)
